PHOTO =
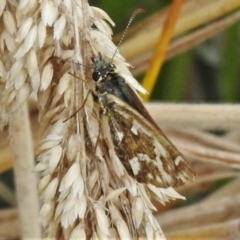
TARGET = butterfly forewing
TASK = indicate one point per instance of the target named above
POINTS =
(146, 154)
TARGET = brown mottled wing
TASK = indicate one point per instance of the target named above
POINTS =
(146, 153)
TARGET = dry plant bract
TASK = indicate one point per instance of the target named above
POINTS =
(85, 190)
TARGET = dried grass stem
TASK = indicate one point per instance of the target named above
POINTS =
(25, 177)
(202, 116)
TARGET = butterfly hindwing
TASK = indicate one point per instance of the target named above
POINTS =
(146, 154)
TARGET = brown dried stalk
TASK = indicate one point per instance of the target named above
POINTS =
(204, 138)
(187, 41)
(224, 230)
(202, 116)
(9, 224)
(194, 14)
(220, 207)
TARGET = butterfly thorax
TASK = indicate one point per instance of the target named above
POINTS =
(108, 81)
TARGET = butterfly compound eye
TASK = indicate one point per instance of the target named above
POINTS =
(96, 76)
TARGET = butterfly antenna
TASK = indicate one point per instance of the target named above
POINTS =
(135, 13)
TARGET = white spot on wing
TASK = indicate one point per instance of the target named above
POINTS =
(150, 176)
(135, 165)
(119, 135)
(159, 149)
(183, 176)
(178, 160)
(166, 178)
(134, 129)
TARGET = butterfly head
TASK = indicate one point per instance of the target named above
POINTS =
(102, 69)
